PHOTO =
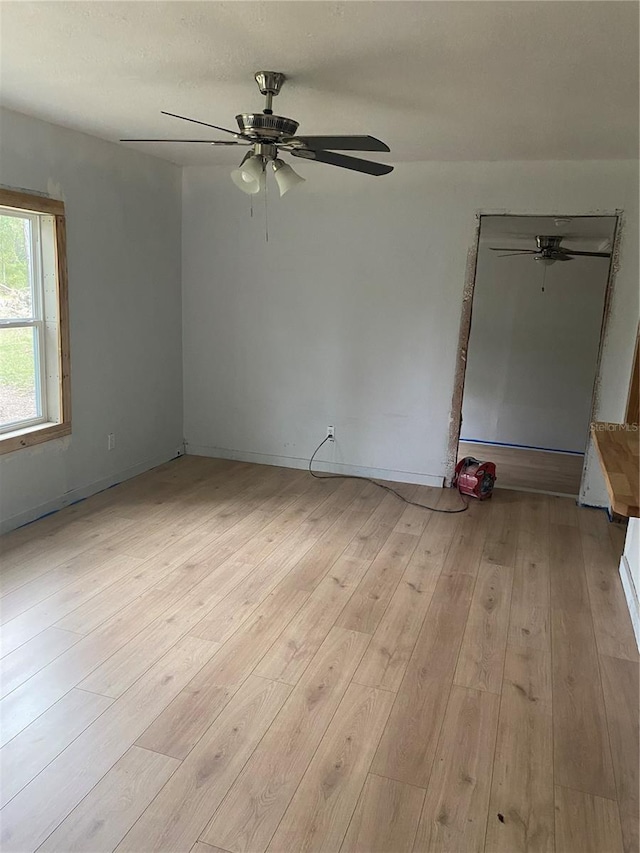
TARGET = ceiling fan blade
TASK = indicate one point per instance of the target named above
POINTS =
(514, 251)
(204, 123)
(344, 162)
(202, 141)
(562, 258)
(340, 143)
(588, 254)
(513, 254)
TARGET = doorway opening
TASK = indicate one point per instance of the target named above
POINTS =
(530, 347)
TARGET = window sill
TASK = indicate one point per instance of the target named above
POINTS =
(28, 436)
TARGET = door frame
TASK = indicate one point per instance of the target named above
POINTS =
(455, 419)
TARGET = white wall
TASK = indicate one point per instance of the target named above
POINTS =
(349, 315)
(532, 357)
(630, 573)
(123, 227)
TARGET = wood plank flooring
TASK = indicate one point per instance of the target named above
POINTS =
(522, 468)
(218, 657)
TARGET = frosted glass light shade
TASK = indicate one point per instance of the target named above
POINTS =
(249, 177)
(286, 178)
(546, 262)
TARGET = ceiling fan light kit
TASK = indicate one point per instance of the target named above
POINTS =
(249, 176)
(286, 178)
(267, 135)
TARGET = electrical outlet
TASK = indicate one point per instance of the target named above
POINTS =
(331, 433)
(111, 441)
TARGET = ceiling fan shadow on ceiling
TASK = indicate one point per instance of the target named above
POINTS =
(267, 135)
(549, 250)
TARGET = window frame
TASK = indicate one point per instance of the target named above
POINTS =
(43, 429)
(36, 322)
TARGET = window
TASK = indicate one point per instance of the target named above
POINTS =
(34, 336)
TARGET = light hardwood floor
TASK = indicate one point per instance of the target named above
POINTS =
(217, 656)
(535, 470)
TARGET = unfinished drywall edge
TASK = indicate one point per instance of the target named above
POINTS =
(591, 461)
(465, 327)
(326, 467)
(84, 492)
(455, 415)
(605, 328)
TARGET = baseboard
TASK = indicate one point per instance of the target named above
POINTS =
(603, 507)
(82, 492)
(630, 594)
(327, 467)
(535, 491)
(508, 446)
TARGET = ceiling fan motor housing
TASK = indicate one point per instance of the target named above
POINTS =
(270, 126)
(544, 242)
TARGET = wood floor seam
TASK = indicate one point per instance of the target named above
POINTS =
(580, 791)
(94, 692)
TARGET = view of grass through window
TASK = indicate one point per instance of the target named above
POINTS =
(17, 351)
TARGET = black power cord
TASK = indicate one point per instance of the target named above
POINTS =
(380, 485)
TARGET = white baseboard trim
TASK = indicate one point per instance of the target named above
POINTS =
(82, 492)
(585, 505)
(630, 594)
(327, 467)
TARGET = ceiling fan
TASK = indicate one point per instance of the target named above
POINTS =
(549, 251)
(266, 135)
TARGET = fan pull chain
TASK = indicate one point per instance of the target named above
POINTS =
(544, 276)
(251, 207)
(266, 214)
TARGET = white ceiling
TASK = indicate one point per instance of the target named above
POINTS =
(589, 233)
(436, 80)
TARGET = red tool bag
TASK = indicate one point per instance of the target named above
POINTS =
(475, 478)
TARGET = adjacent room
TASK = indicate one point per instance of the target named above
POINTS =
(533, 347)
(319, 421)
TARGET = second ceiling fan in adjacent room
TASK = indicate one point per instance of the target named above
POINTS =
(549, 250)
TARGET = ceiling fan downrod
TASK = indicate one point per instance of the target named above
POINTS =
(269, 83)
